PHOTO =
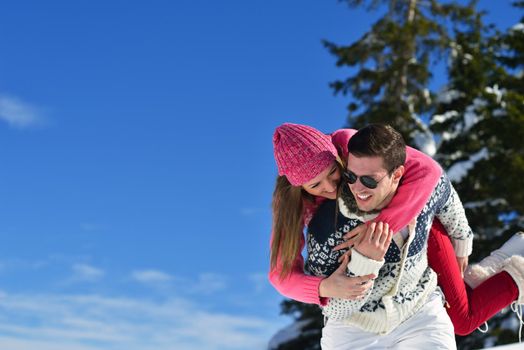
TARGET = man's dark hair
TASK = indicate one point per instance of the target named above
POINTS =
(379, 140)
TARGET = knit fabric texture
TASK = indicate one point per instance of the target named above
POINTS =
(404, 279)
(301, 152)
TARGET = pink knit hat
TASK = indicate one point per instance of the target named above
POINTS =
(301, 152)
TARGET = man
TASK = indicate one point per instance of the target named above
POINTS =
(403, 309)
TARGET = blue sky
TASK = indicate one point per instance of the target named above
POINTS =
(137, 168)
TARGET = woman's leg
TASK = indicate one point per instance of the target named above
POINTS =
(467, 308)
(496, 261)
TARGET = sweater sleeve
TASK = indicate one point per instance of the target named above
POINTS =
(360, 265)
(453, 218)
(297, 285)
(421, 175)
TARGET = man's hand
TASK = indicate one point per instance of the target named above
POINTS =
(375, 241)
(463, 264)
(339, 285)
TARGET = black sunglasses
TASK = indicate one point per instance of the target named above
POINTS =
(365, 180)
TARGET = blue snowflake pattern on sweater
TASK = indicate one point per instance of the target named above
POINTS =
(404, 279)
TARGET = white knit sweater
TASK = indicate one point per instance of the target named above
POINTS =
(404, 280)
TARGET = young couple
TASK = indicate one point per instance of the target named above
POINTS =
(375, 252)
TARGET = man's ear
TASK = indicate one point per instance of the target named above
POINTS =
(398, 173)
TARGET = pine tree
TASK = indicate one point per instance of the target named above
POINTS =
(304, 333)
(480, 123)
(394, 62)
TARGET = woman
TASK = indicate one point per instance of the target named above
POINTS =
(310, 171)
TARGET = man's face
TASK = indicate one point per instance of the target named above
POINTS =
(369, 199)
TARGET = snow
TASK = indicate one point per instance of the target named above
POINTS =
(467, 58)
(412, 60)
(499, 112)
(423, 138)
(425, 143)
(470, 118)
(369, 39)
(448, 135)
(455, 155)
(490, 202)
(455, 48)
(441, 118)
(447, 96)
(460, 169)
(519, 27)
(496, 91)
(479, 102)
(427, 96)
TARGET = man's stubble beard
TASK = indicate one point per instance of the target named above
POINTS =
(351, 203)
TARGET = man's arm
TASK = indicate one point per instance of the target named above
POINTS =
(451, 214)
(340, 309)
(367, 258)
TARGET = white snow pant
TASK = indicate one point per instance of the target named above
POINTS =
(429, 328)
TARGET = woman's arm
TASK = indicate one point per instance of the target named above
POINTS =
(420, 178)
(317, 289)
(298, 285)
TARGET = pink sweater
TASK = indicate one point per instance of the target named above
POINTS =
(419, 180)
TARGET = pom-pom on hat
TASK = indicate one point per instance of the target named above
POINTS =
(302, 152)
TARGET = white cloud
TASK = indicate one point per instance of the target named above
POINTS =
(20, 264)
(205, 283)
(13, 343)
(209, 283)
(18, 114)
(150, 276)
(86, 272)
(88, 322)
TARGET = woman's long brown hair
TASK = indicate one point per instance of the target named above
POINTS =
(288, 223)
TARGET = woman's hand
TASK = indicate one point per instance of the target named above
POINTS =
(339, 285)
(374, 243)
(350, 238)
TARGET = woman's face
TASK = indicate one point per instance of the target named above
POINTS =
(324, 184)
